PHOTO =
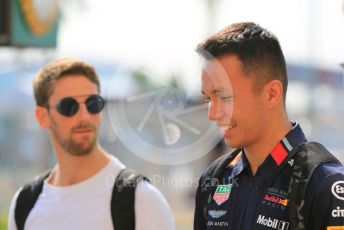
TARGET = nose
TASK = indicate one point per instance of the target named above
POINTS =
(83, 112)
(215, 110)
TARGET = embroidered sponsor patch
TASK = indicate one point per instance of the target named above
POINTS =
(272, 223)
(217, 213)
(291, 162)
(222, 193)
(338, 189)
(217, 223)
(338, 212)
(276, 198)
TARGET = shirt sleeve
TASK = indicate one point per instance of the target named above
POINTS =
(151, 209)
(11, 221)
(324, 202)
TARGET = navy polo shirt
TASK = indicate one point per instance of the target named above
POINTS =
(246, 202)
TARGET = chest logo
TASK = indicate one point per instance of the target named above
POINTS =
(276, 198)
(222, 193)
(272, 223)
(217, 213)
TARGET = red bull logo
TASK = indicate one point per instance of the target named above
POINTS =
(276, 199)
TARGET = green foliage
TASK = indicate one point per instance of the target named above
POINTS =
(142, 79)
(3, 222)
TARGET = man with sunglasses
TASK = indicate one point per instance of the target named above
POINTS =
(78, 192)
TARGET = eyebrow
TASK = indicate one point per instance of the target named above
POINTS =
(218, 90)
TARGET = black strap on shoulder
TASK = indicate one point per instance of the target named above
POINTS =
(211, 178)
(27, 198)
(123, 199)
(122, 202)
(306, 160)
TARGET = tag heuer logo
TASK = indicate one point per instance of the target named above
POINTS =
(222, 193)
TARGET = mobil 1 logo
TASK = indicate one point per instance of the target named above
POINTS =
(272, 223)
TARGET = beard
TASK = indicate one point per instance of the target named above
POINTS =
(72, 146)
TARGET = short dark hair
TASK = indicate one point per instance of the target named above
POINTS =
(44, 81)
(257, 48)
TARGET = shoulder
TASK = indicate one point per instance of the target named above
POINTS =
(329, 169)
(151, 208)
(116, 164)
(146, 193)
(327, 183)
(11, 220)
(225, 162)
(112, 170)
(322, 167)
(324, 200)
(325, 173)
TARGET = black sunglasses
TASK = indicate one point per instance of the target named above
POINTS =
(69, 106)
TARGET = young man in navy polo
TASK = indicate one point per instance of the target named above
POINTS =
(275, 178)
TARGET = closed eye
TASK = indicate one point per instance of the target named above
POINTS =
(228, 98)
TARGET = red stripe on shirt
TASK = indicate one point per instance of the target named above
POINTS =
(279, 154)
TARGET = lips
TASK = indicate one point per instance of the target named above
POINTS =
(226, 130)
(83, 131)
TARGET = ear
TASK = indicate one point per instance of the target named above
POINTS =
(41, 114)
(273, 92)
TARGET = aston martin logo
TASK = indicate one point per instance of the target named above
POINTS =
(217, 213)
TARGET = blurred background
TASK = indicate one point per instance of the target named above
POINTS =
(143, 51)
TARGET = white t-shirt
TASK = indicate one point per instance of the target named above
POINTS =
(86, 205)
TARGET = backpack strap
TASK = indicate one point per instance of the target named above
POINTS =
(123, 199)
(211, 178)
(306, 160)
(122, 202)
(27, 198)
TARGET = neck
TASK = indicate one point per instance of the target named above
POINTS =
(259, 151)
(74, 169)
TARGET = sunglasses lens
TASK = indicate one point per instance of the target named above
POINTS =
(67, 106)
(95, 104)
